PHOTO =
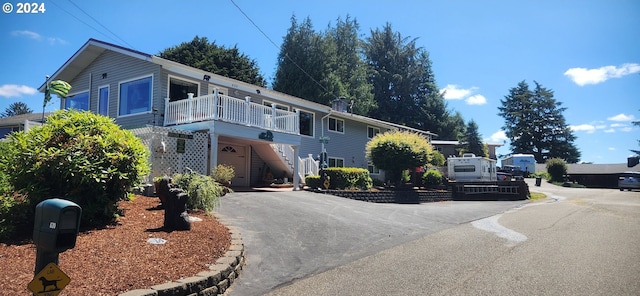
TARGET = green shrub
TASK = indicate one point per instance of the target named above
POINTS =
(349, 178)
(557, 169)
(378, 183)
(395, 151)
(79, 156)
(543, 175)
(223, 173)
(312, 182)
(204, 192)
(432, 178)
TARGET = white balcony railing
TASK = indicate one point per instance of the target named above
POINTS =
(230, 109)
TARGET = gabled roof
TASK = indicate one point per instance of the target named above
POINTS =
(19, 119)
(593, 169)
(93, 48)
(445, 142)
(85, 55)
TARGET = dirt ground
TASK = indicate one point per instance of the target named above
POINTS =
(119, 258)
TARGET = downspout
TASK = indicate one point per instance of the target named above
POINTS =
(322, 150)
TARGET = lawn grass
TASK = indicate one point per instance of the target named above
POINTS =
(537, 196)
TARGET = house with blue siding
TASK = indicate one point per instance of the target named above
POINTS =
(252, 128)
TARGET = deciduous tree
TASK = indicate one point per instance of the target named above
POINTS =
(229, 62)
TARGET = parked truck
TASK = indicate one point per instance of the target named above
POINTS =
(471, 168)
(525, 162)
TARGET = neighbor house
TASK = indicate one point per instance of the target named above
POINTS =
(20, 122)
(260, 132)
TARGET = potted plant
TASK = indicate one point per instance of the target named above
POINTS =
(223, 174)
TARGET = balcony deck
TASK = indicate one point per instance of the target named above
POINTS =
(232, 110)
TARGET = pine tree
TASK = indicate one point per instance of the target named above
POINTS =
(472, 141)
(404, 84)
(534, 124)
(303, 63)
(16, 108)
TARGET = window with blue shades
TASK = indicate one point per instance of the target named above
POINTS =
(79, 101)
(135, 96)
(103, 101)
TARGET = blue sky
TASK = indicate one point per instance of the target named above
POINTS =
(587, 52)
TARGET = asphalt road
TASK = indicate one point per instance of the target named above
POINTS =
(579, 242)
(290, 236)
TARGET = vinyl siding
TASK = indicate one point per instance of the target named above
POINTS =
(118, 68)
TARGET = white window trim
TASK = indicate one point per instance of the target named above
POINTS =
(344, 125)
(108, 86)
(373, 171)
(118, 115)
(329, 158)
(372, 127)
(313, 121)
(183, 79)
(277, 105)
(76, 93)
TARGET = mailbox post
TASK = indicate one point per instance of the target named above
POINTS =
(57, 222)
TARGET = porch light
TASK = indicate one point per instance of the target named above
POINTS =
(206, 77)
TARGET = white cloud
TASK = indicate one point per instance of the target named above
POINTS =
(621, 117)
(583, 128)
(56, 40)
(14, 90)
(452, 92)
(476, 100)
(626, 129)
(584, 76)
(28, 34)
(612, 148)
(36, 36)
(608, 131)
(618, 125)
(498, 137)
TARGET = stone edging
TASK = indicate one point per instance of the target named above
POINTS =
(214, 281)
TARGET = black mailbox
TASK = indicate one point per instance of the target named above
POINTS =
(56, 225)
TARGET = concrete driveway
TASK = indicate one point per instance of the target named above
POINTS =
(293, 235)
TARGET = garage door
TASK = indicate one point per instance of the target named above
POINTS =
(235, 156)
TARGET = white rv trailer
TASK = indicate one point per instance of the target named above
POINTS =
(471, 168)
(526, 162)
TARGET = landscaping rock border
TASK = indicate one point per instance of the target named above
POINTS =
(393, 196)
(214, 281)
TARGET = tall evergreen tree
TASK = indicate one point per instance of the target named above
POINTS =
(472, 141)
(405, 89)
(303, 64)
(16, 108)
(534, 123)
(348, 71)
(323, 66)
(229, 62)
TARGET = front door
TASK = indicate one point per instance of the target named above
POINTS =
(235, 156)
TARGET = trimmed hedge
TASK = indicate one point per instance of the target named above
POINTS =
(342, 178)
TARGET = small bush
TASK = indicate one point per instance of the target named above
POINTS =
(79, 156)
(312, 182)
(543, 175)
(223, 173)
(349, 178)
(378, 183)
(557, 169)
(432, 178)
(203, 191)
